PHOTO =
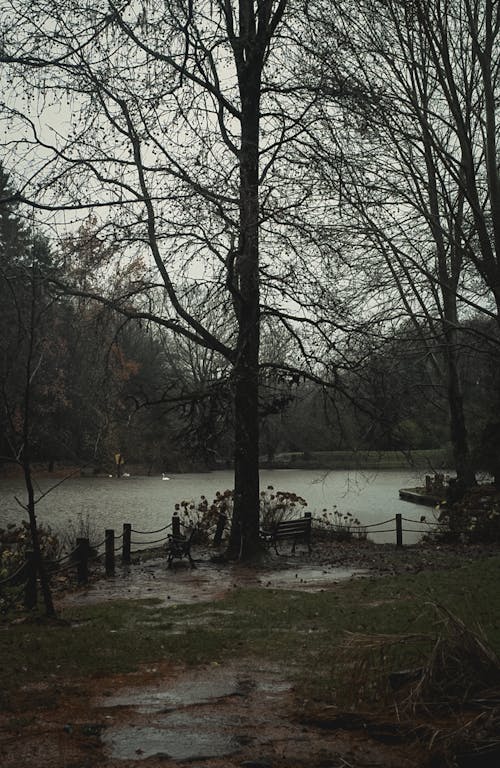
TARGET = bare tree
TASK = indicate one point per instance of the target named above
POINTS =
(23, 374)
(420, 188)
(174, 123)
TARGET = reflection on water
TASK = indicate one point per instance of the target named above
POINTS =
(192, 739)
(148, 502)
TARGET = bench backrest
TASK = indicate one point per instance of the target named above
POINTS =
(299, 527)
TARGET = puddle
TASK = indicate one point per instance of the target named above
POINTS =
(184, 694)
(307, 579)
(182, 585)
(201, 687)
(208, 713)
(272, 687)
(195, 739)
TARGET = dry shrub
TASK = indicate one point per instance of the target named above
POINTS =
(450, 700)
(461, 669)
(367, 663)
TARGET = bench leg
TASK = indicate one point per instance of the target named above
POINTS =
(308, 542)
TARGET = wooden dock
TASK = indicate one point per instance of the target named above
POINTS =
(420, 496)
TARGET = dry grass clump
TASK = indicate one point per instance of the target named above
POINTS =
(462, 670)
(372, 665)
(461, 676)
(444, 688)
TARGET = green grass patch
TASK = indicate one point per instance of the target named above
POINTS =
(304, 631)
(429, 460)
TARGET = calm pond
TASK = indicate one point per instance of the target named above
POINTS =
(148, 502)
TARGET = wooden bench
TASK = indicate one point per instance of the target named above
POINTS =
(179, 547)
(296, 530)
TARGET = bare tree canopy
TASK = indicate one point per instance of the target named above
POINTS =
(417, 167)
(175, 124)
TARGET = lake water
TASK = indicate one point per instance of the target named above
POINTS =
(148, 502)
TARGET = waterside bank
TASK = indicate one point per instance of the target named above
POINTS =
(350, 461)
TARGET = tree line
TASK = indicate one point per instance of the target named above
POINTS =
(99, 387)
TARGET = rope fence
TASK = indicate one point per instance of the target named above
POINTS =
(119, 546)
(158, 530)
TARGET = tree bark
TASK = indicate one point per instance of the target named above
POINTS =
(44, 582)
(25, 453)
(244, 538)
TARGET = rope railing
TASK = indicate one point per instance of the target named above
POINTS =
(101, 544)
(423, 522)
(158, 530)
(68, 567)
(154, 541)
(96, 557)
(85, 553)
(412, 530)
(386, 530)
(381, 527)
(65, 557)
(374, 525)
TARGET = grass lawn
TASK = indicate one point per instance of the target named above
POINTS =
(307, 632)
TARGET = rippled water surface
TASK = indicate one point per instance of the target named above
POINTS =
(148, 502)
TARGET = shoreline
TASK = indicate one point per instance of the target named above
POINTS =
(424, 461)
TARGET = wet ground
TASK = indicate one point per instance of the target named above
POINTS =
(240, 714)
(237, 714)
(328, 564)
(182, 584)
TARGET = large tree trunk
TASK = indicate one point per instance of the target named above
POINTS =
(25, 453)
(458, 428)
(449, 267)
(458, 431)
(244, 538)
(44, 581)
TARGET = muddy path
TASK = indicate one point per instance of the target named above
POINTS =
(241, 713)
(329, 563)
(236, 715)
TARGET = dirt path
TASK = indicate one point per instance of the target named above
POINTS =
(239, 714)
